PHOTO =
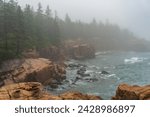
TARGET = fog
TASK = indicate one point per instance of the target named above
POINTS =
(131, 14)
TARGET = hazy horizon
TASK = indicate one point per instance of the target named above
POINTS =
(133, 15)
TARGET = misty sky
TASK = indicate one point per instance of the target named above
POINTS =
(131, 14)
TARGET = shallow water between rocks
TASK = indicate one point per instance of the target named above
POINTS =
(122, 67)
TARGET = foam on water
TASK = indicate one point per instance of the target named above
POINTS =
(131, 68)
(134, 60)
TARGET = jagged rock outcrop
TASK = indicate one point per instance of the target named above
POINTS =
(79, 49)
(34, 91)
(32, 70)
(127, 92)
(82, 51)
(69, 49)
(25, 91)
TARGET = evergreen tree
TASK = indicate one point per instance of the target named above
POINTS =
(19, 30)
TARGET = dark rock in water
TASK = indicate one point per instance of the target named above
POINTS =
(85, 75)
(75, 65)
(104, 72)
(78, 78)
(81, 71)
(91, 79)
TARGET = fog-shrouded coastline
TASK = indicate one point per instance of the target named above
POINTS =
(45, 56)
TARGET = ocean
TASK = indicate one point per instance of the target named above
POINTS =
(122, 67)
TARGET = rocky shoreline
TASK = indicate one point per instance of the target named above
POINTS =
(27, 78)
(34, 91)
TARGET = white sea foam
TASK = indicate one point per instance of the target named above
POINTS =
(134, 60)
(102, 52)
(88, 71)
(94, 67)
(111, 75)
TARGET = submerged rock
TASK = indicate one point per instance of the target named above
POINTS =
(34, 91)
(33, 70)
(127, 92)
(104, 72)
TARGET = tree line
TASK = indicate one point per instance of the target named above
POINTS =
(21, 29)
(104, 35)
(25, 28)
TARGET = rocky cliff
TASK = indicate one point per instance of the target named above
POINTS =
(79, 50)
(127, 92)
(34, 91)
(32, 70)
(82, 51)
(73, 51)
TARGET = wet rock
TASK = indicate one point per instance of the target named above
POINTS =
(34, 70)
(81, 71)
(74, 65)
(91, 79)
(127, 92)
(104, 72)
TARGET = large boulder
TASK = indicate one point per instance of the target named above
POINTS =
(127, 92)
(32, 70)
(34, 91)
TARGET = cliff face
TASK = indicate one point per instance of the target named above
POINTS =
(32, 70)
(34, 91)
(73, 51)
(79, 50)
(127, 92)
(82, 51)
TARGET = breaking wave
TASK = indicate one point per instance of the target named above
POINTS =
(134, 60)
